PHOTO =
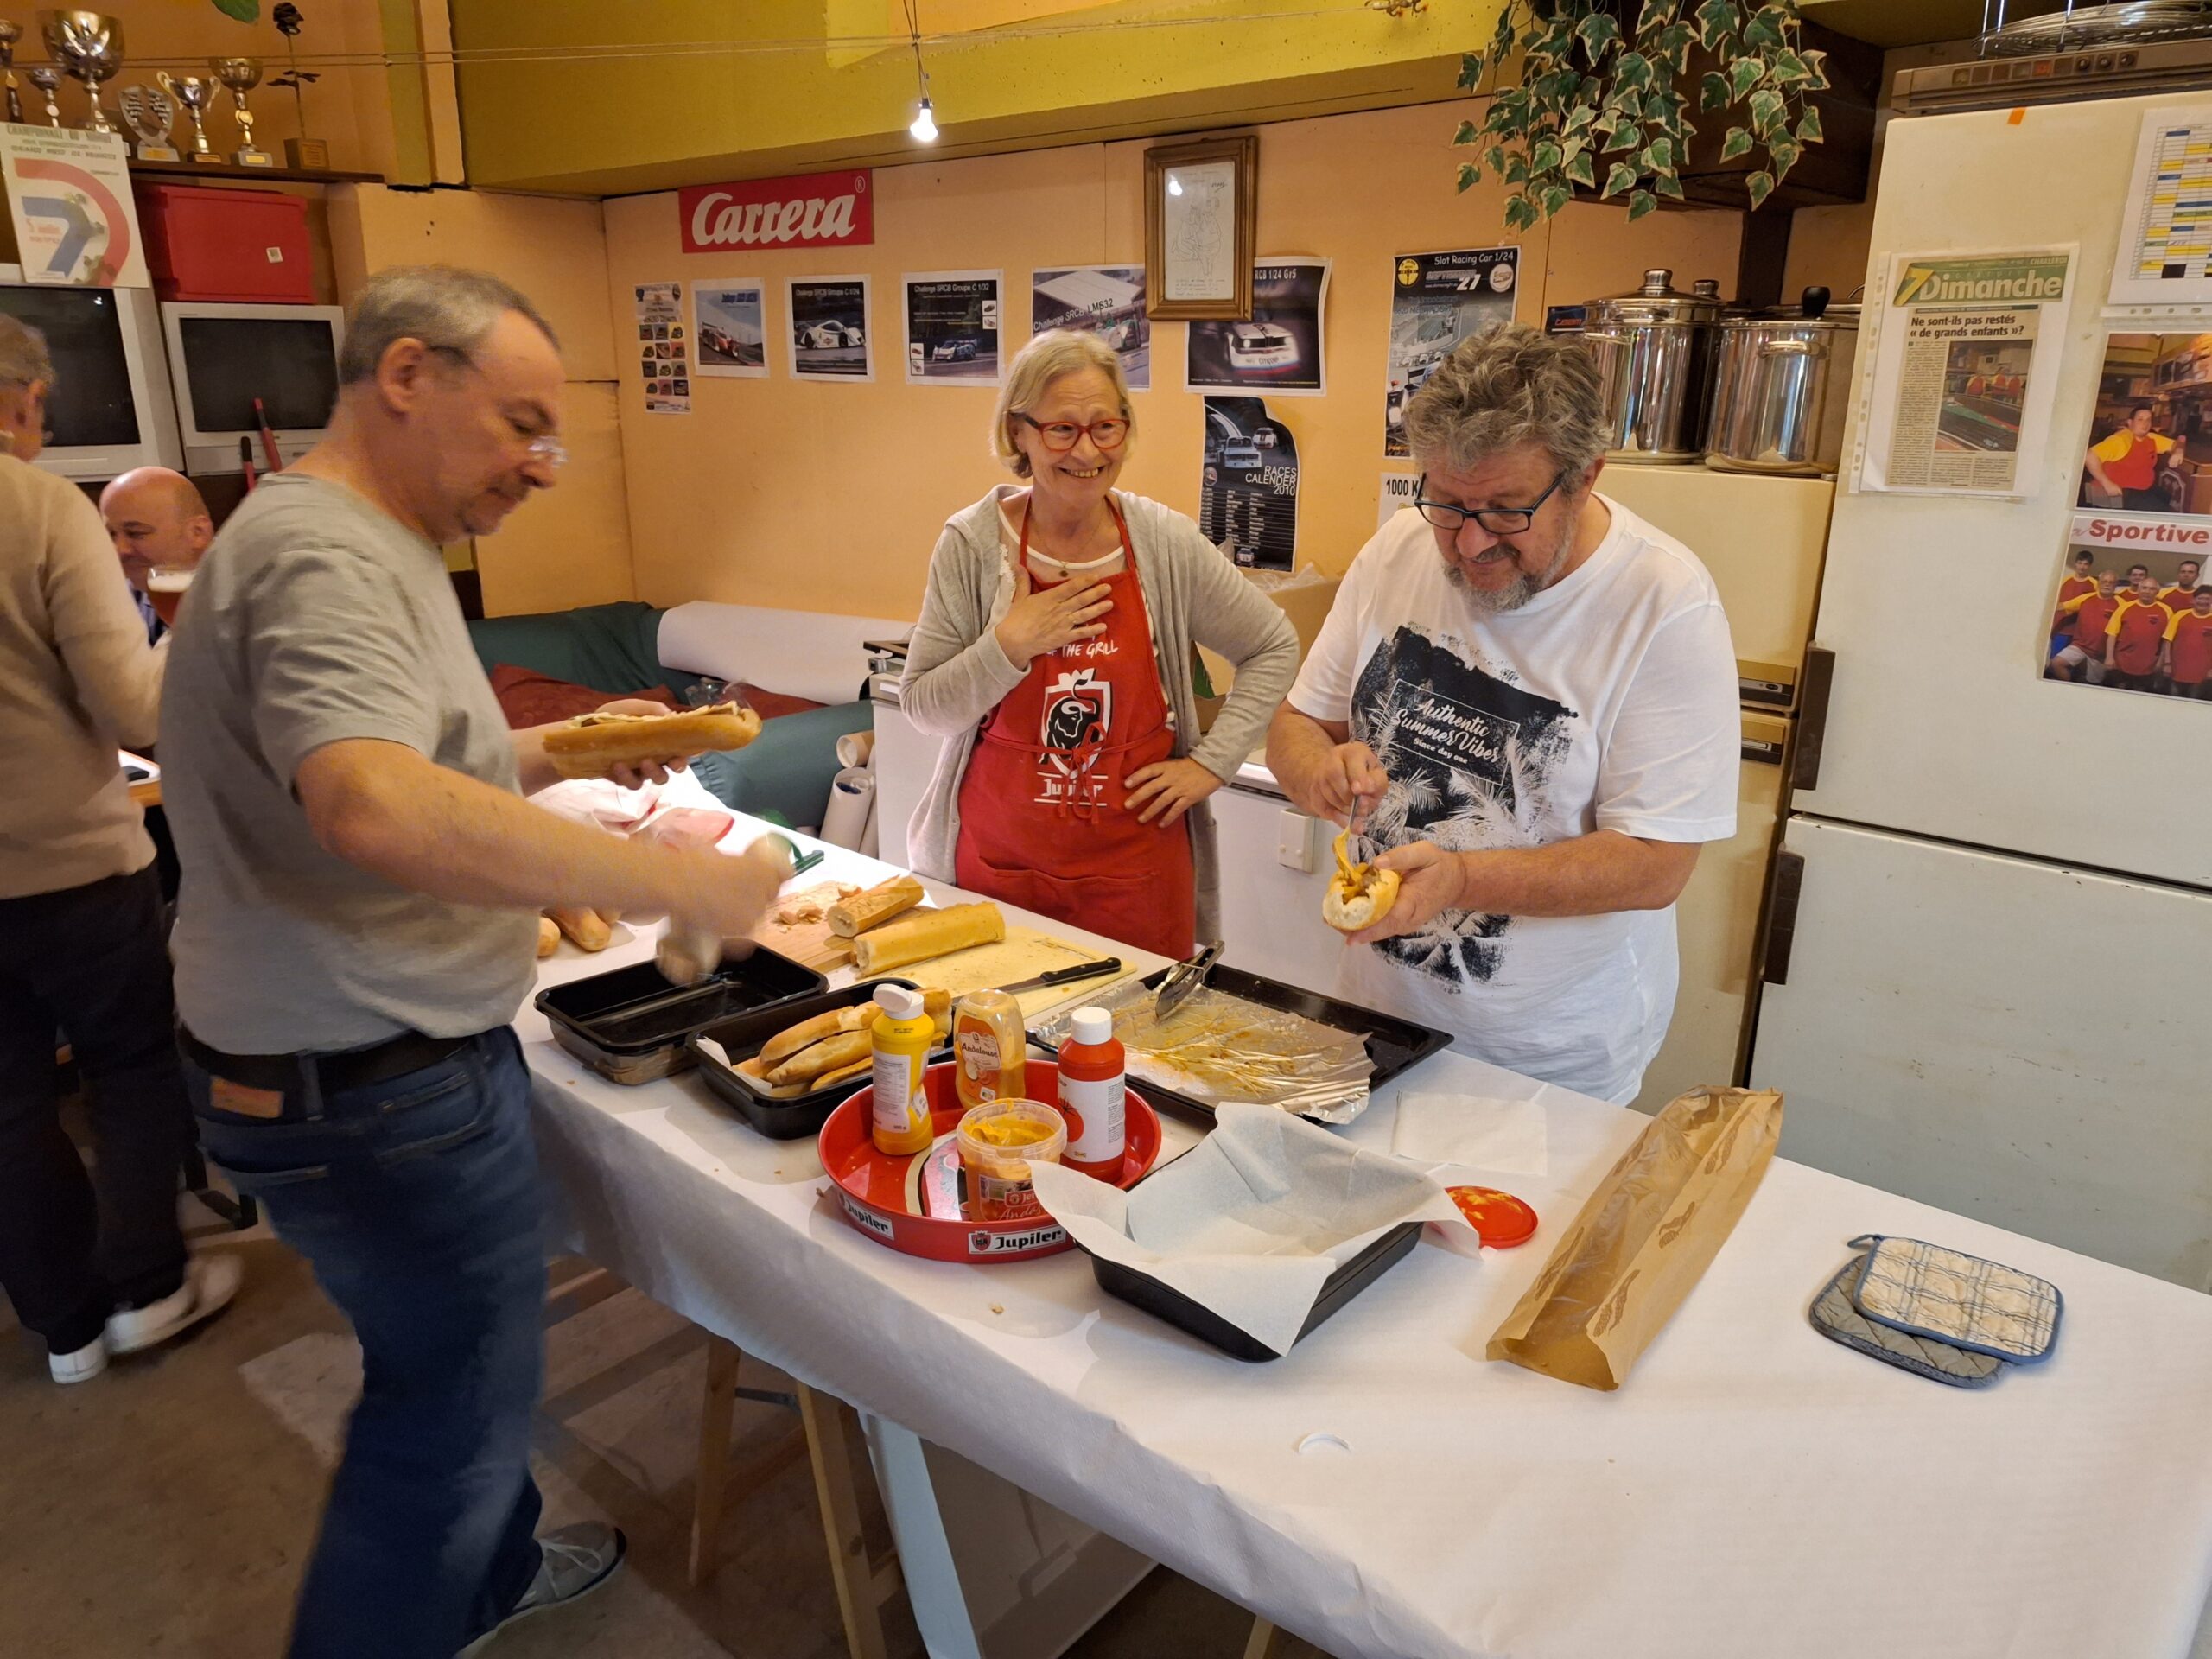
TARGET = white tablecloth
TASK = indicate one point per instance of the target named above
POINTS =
(1754, 1491)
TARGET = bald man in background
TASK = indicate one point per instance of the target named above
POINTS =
(156, 518)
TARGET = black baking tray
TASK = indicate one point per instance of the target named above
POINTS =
(744, 1036)
(1394, 1045)
(588, 1018)
(1166, 1303)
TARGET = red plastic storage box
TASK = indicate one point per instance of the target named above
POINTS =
(245, 246)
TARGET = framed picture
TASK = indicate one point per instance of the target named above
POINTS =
(1200, 202)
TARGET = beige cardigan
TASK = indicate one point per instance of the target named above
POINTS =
(78, 681)
(957, 674)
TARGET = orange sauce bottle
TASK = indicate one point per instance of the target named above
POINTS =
(1093, 1095)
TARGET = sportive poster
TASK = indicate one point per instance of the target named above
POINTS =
(1278, 350)
(1108, 301)
(952, 327)
(829, 328)
(733, 321)
(1437, 300)
(69, 199)
(663, 348)
(1248, 492)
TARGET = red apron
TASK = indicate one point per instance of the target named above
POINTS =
(1042, 824)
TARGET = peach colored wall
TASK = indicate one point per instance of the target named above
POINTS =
(829, 497)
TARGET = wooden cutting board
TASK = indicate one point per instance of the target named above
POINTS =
(810, 944)
(1023, 953)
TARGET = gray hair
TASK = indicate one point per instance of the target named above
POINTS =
(1035, 367)
(23, 358)
(1509, 384)
(446, 308)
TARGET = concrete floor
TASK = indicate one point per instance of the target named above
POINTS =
(166, 1508)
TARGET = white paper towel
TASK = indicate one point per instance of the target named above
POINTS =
(1473, 1131)
(852, 793)
(1252, 1222)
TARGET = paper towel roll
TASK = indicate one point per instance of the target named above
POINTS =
(845, 821)
(856, 749)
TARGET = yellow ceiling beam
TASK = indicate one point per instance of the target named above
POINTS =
(691, 90)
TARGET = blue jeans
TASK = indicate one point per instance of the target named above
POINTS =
(416, 1202)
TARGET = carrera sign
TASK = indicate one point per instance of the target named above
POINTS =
(820, 210)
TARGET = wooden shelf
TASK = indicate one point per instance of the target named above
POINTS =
(225, 171)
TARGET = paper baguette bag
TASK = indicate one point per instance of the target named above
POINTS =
(1643, 1239)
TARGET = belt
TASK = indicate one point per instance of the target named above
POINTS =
(355, 1068)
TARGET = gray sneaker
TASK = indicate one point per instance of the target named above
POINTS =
(577, 1560)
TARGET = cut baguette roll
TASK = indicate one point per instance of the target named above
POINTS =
(920, 936)
(830, 1054)
(549, 937)
(807, 1032)
(586, 928)
(849, 918)
(845, 1074)
(755, 1078)
(591, 746)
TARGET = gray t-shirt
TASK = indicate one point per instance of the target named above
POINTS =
(317, 618)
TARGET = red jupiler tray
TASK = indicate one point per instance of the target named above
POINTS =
(890, 1198)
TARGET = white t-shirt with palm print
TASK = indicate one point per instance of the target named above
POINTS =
(1607, 702)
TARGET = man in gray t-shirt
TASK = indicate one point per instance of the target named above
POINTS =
(356, 928)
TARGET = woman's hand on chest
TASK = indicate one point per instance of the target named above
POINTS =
(1042, 620)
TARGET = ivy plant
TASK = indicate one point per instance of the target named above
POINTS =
(1599, 108)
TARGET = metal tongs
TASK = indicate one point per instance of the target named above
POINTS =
(1184, 980)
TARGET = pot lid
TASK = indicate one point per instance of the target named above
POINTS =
(1657, 300)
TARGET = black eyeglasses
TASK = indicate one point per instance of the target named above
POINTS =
(1498, 521)
(1060, 435)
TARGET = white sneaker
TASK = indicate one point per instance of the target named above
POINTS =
(210, 1281)
(577, 1560)
(87, 1362)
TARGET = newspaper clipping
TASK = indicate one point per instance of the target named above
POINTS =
(1437, 300)
(952, 327)
(733, 329)
(1108, 301)
(1961, 402)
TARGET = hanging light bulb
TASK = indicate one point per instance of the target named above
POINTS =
(925, 127)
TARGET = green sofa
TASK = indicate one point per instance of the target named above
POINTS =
(784, 774)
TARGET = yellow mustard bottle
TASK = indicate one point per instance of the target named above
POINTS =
(990, 1048)
(900, 1042)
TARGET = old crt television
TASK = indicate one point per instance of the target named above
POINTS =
(110, 408)
(223, 357)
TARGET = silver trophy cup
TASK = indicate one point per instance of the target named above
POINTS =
(242, 75)
(47, 80)
(149, 114)
(10, 31)
(195, 94)
(89, 45)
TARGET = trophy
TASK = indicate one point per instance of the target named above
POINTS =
(242, 75)
(149, 114)
(10, 31)
(47, 80)
(195, 94)
(89, 45)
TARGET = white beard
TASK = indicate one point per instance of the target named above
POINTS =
(1524, 587)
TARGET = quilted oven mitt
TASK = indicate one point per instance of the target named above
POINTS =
(1937, 1312)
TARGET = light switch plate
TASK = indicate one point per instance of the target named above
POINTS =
(1294, 842)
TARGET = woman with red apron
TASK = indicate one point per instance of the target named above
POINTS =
(1051, 663)
(1043, 825)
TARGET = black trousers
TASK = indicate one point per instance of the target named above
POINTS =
(92, 963)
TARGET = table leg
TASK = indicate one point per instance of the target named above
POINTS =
(1264, 1642)
(902, 1473)
(857, 1598)
(717, 1405)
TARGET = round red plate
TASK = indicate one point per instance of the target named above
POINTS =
(876, 1192)
(1501, 1219)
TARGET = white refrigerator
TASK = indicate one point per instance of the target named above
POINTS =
(1989, 950)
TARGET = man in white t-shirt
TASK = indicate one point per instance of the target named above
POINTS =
(1525, 701)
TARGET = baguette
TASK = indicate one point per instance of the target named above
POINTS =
(786, 1043)
(590, 746)
(850, 917)
(929, 933)
(548, 935)
(830, 1054)
(858, 1068)
(756, 1079)
(586, 928)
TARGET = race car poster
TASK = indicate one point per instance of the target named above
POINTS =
(1107, 301)
(1278, 349)
(1437, 300)
(1248, 494)
(952, 327)
(733, 321)
(663, 350)
(829, 328)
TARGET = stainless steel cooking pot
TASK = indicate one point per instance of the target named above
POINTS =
(1654, 349)
(1782, 389)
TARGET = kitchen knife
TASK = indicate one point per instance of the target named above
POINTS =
(1069, 975)
(1184, 980)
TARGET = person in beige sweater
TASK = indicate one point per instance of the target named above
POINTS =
(82, 949)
